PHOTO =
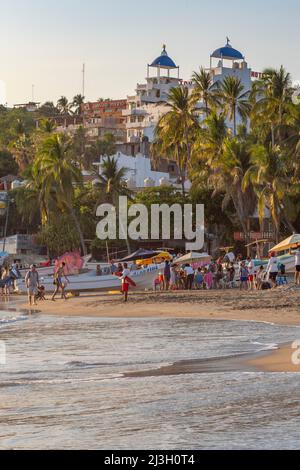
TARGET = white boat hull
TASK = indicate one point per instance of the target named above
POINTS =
(89, 281)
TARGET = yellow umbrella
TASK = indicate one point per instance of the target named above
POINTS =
(291, 242)
(162, 256)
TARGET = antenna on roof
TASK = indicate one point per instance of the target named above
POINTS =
(228, 41)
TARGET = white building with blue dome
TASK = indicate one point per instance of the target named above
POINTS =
(149, 103)
(227, 61)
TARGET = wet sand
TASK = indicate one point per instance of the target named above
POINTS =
(281, 360)
(280, 306)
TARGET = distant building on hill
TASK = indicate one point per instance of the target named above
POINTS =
(103, 117)
(31, 107)
(140, 172)
(145, 108)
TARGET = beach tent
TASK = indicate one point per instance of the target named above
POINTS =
(190, 258)
(289, 243)
(138, 255)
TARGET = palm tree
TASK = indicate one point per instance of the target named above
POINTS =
(203, 89)
(271, 96)
(55, 167)
(112, 180)
(47, 125)
(226, 161)
(177, 128)
(77, 103)
(63, 105)
(268, 175)
(234, 100)
(23, 151)
(291, 144)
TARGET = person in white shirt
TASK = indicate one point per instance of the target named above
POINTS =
(125, 282)
(251, 276)
(190, 275)
(297, 266)
(272, 269)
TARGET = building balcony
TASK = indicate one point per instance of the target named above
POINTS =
(134, 112)
(135, 125)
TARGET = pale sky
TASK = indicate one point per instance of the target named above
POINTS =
(45, 42)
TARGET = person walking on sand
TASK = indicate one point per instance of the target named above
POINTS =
(167, 275)
(208, 279)
(190, 276)
(173, 280)
(125, 281)
(272, 269)
(260, 278)
(6, 280)
(244, 274)
(297, 266)
(251, 275)
(32, 283)
(58, 282)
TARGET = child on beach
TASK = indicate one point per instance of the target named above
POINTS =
(156, 284)
(173, 280)
(199, 279)
(231, 272)
(208, 279)
(251, 273)
(244, 275)
(161, 280)
(260, 278)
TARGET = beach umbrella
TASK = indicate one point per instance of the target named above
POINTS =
(73, 262)
(194, 258)
(138, 255)
(291, 242)
(159, 257)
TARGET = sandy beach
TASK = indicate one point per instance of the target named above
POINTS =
(278, 361)
(279, 307)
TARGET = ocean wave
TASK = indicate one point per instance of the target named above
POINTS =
(6, 321)
(266, 346)
(69, 380)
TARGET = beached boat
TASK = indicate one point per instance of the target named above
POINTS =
(90, 281)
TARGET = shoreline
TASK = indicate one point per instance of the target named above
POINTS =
(280, 307)
(279, 360)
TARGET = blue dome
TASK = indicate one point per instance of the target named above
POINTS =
(228, 52)
(164, 61)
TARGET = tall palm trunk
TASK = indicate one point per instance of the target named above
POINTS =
(115, 199)
(78, 228)
(234, 121)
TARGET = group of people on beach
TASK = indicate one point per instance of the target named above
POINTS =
(8, 278)
(226, 274)
(186, 277)
(220, 274)
(36, 291)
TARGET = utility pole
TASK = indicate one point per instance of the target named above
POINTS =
(83, 80)
(6, 224)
